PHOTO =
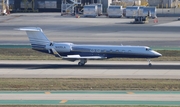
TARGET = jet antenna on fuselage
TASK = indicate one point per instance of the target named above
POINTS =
(51, 43)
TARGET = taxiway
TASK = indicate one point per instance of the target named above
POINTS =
(90, 97)
(111, 31)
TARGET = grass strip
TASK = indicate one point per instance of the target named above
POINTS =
(29, 54)
(88, 84)
(82, 106)
(23, 54)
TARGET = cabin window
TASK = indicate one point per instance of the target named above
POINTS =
(103, 50)
(98, 51)
(92, 50)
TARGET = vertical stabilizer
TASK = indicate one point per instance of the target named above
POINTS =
(36, 37)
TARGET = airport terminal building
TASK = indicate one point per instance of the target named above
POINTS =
(48, 5)
(56, 5)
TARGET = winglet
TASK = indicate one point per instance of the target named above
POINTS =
(55, 53)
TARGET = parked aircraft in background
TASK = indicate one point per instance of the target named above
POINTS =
(73, 52)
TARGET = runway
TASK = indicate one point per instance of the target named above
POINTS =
(93, 69)
(90, 97)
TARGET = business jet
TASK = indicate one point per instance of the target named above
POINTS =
(73, 52)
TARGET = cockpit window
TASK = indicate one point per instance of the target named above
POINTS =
(148, 49)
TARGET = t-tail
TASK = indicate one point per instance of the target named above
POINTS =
(36, 37)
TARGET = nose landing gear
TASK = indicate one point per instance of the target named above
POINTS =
(149, 62)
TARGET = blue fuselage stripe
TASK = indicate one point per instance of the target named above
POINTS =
(109, 55)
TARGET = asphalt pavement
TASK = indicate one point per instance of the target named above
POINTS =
(93, 69)
(114, 31)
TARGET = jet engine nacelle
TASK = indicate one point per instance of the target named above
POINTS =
(62, 47)
(59, 47)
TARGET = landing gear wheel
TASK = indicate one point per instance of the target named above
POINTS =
(150, 64)
(80, 64)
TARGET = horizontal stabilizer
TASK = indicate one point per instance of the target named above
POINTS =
(29, 29)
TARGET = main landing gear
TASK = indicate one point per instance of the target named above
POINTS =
(149, 62)
(82, 62)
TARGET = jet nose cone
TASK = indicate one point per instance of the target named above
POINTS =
(157, 54)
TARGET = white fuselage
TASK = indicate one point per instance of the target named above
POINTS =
(110, 51)
(72, 52)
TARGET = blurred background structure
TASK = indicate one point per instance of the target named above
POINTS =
(72, 5)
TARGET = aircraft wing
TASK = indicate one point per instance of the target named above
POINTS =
(83, 57)
(76, 57)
